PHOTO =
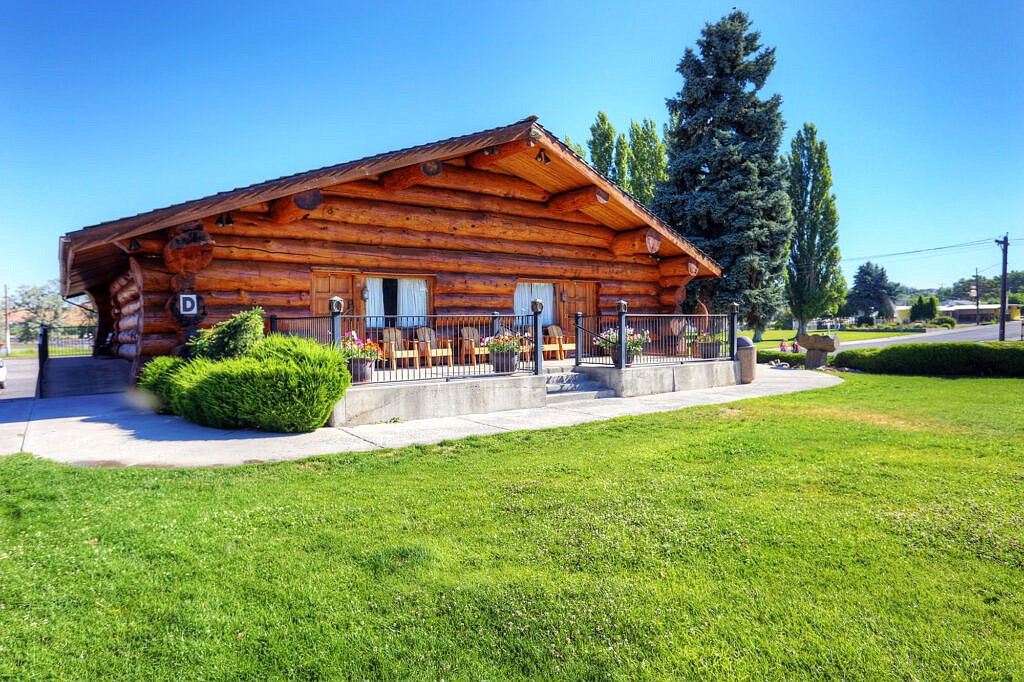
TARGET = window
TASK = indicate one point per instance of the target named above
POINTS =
(396, 302)
(526, 292)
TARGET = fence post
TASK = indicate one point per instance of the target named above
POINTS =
(495, 323)
(621, 308)
(579, 336)
(734, 314)
(44, 346)
(537, 306)
(273, 324)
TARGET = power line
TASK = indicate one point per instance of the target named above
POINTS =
(917, 251)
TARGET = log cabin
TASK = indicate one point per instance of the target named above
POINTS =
(469, 225)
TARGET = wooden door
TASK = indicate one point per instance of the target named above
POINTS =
(327, 285)
(579, 297)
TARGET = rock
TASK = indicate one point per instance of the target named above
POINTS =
(821, 342)
(815, 358)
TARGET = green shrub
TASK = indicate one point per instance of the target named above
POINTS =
(285, 384)
(865, 321)
(155, 379)
(792, 359)
(999, 358)
(231, 338)
(943, 321)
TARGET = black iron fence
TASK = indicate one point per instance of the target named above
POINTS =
(654, 339)
(418, 347)
(60, 341)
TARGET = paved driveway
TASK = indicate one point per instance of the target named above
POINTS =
(21, 378)
(985, 332)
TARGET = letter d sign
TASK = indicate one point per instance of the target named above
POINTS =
(188, 304)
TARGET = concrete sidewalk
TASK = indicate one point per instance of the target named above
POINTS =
(109, 430)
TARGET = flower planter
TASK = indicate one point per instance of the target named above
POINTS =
(361, 369)
(631, 356)
(505, 362)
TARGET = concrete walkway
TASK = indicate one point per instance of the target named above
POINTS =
(109, 430)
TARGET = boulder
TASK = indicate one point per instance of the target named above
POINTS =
(818, 342)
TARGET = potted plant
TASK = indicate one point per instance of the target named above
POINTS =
(504, 350)
(707, 346)
(362, 355)
(608, 340)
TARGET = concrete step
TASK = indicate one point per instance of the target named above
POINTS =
(558, 397)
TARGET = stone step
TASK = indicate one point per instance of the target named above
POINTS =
(576, 396)
(569, 387)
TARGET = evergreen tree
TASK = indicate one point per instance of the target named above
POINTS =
(917, 311)
(602, 144)
(726, 190)
(814, 282)
(872, 290)
(647, 161)
(623, 160)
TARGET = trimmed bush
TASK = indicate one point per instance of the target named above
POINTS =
(155, 379)
(285, 384)
(993, 358)
(943, 321)
(792, 359)
(231, 338)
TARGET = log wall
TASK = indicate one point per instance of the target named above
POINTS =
(473, 233)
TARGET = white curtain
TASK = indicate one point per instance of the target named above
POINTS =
(526, 292)
(412, 302)
(375, 304)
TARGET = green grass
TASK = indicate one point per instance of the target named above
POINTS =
(869, 531)
(772, 337)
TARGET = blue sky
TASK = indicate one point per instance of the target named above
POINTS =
(110, 109)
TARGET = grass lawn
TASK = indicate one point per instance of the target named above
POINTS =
(772, 337)
(871, 530)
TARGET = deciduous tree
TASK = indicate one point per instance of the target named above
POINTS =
(602, 144)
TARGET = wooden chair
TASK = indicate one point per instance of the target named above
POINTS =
(431, 348)
(395, 348)
(556, 337)
(470, 345)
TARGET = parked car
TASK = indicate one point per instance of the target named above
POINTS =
(3, 374)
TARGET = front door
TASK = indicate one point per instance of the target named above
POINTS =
(579, 297)
(345, 285)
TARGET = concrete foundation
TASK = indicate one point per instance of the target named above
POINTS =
(422, 400)
(652, 379)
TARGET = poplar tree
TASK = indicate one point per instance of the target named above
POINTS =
(647, 160)
(623, 161)
(576, 147)
(814, 282)
(602, 144)
(725, 191)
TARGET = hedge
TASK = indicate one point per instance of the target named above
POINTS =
(990, 358)
(792, 359)
(284, 384)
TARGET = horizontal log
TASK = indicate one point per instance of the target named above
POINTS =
(466, 223)
(483, 314)
(158, 344)
(219, 313)
(668, 298)
(131, 307)
(491, 155)
(121, 281)
(289, 209)
(127, 295)
(674, 281)
(410, 175)
(625, 288)
(578, 199)
(455, 199)
(374, 235)
(404, 259)
(645, 240)
(680, 265)
(128, 351)
(127, 336)
(488, 302)
(223, 275)
(463, 283)
(130, 321)
(150, 273)
(249, 299)
(485, 182)
(634, 301)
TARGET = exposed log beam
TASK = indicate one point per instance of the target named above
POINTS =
(190, 248)
(681, 265)
(578, 199)
(289, 209)
(410, 175)
(644, 240)
(141, 245)
(485, 157)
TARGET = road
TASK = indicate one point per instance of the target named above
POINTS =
(21, 378)
(986, 332)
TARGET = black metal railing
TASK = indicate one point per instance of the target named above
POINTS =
(64, 341)
(654, 339)
(419, 347)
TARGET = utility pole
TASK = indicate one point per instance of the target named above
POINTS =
(1005, 244)
(977, 298)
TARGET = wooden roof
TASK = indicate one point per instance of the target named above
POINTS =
(90, 256)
